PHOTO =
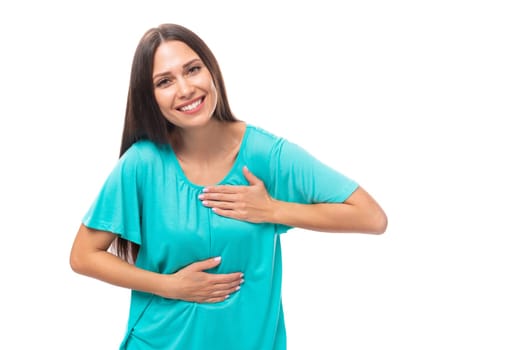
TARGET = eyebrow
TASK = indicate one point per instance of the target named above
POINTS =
(184, 66)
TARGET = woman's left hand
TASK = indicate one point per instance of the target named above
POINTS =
(250, 203)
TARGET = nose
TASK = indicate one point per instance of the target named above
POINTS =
(185, 88)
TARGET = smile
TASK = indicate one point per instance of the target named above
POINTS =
(192, 106)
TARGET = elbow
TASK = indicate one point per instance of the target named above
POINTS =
(381, 224)
(76, 263)
(378, 223)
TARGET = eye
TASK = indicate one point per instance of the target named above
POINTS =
(194, 70)
(162, 82)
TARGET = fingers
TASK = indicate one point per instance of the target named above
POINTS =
(194, 284)
(227, 189)
(233, 189)
(221, 205)
(213, 300)
(205, 264)
(223, 197)
(214, 278)
(217, 292)
(227, 279)
(252, 179)
(230, 287)
(226, 289)
(230, 213)
(222, 201)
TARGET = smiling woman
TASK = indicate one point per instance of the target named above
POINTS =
(195, 205)
(184, 86)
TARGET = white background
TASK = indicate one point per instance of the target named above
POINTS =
(419, 101)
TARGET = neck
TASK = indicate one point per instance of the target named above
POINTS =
(205, 143)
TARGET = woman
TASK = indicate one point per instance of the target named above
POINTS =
(195, 206)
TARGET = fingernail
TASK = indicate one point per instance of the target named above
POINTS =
(205, 203)
(242, 281)
(201, 196)
(217, 258)
(238, 287)
(241, 275)
(226, 297)
(205, 189)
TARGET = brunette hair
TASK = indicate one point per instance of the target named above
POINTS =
(143, 118)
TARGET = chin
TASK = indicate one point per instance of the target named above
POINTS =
(192, 122)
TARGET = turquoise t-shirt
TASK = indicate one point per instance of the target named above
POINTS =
(148, 200)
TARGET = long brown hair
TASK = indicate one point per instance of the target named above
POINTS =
(143, 119)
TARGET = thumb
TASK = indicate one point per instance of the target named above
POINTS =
(252, 179)
(205, 264)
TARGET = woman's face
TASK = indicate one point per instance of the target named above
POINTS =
(183, 86)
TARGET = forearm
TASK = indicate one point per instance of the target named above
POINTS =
(329, 217)
(109, 268)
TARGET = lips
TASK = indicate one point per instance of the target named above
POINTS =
(191, 106)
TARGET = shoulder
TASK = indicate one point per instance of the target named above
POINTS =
(144, 153)
(274, 145)
(261, 139)
(259, 132)
(144, 150)
(262, 151)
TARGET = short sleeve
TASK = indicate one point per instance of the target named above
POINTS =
(301, 178)
(117, 207)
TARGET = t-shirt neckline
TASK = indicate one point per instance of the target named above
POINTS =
(236, 163)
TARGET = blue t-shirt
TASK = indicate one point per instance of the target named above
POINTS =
(148, 200)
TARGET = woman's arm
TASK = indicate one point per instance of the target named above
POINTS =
(358, 213)
(90, 257)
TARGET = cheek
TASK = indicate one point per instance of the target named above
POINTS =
(206, 83)
(213, 93)
(162, 98)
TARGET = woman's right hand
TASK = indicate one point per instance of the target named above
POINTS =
(192, 283)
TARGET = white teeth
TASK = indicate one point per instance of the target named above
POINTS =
(192, 106)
